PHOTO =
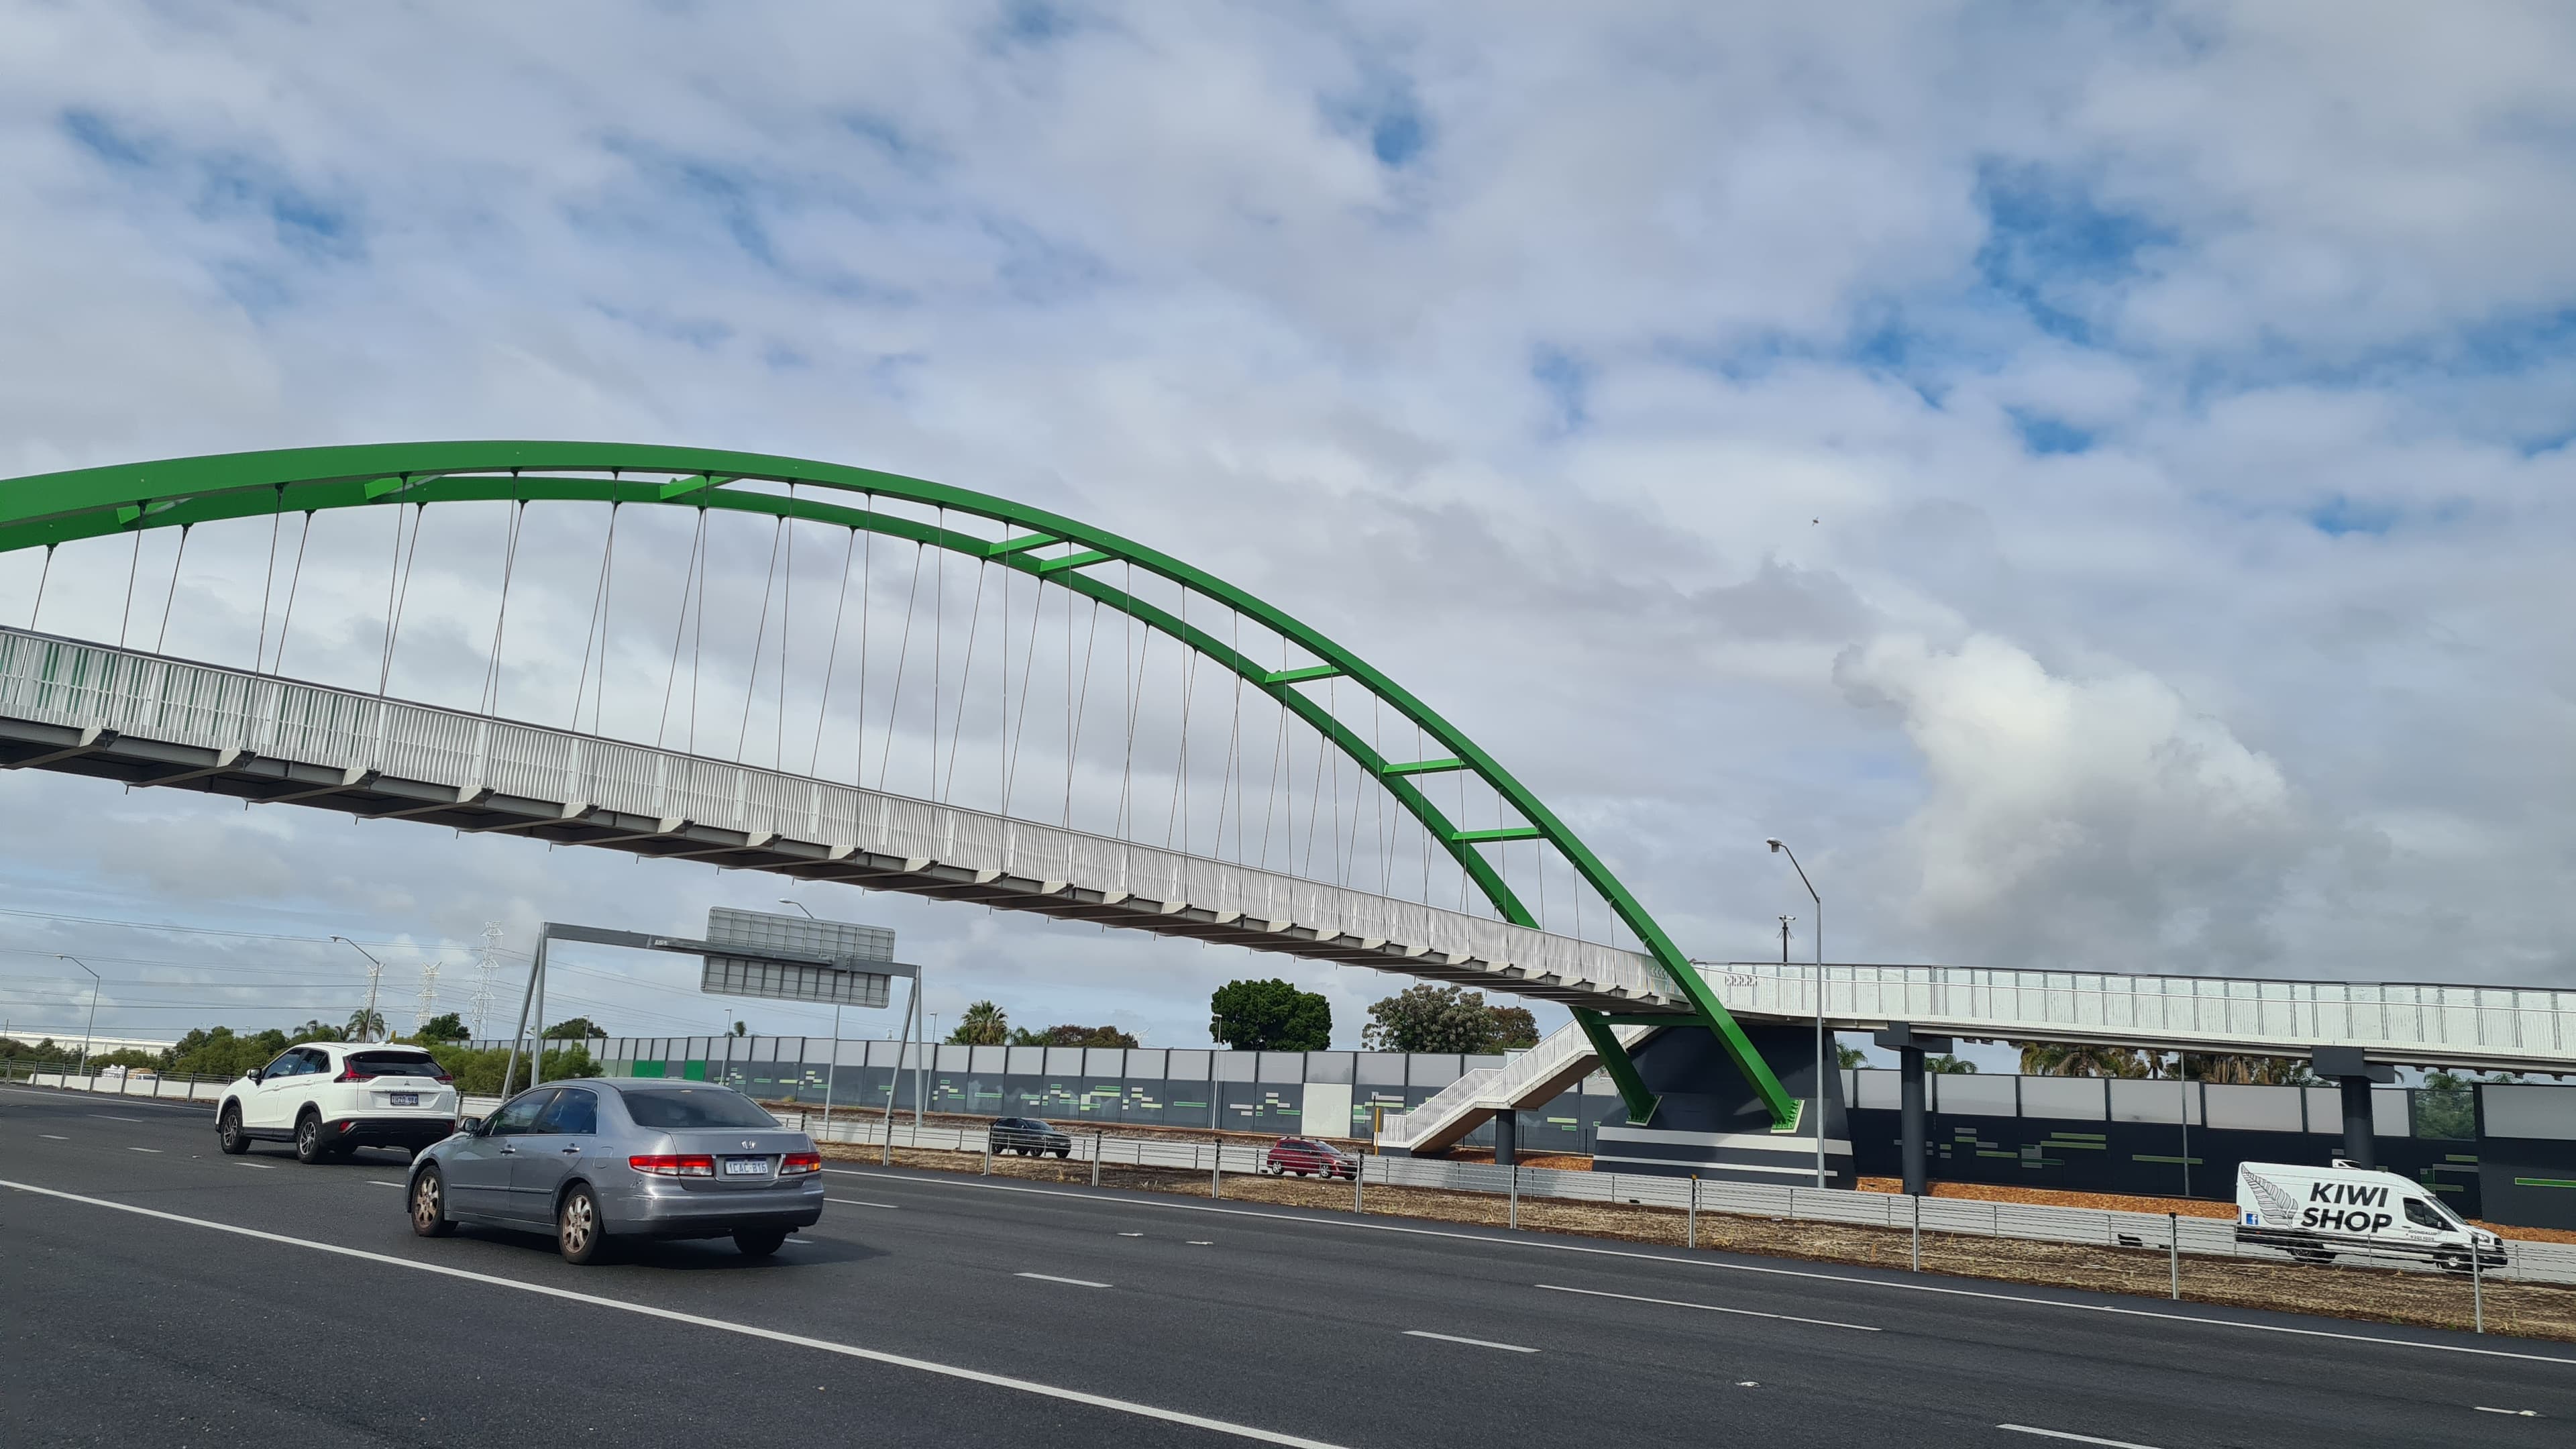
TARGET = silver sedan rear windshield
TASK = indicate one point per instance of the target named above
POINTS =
(673, 1108)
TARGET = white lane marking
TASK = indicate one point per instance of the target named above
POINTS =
(53, 1137)
(1142, 1200)
(154, 1150)
(1201, 1243)
(112, 1117)
(1051, 1278)
(1711, 1308)
(2517, 1413)
(2077, 1438)
(1473, 1342)
(721, 1325)
(262, 1166)
(859, 1202)
(380, 1182)
(1131, 1235)
(802, 1242)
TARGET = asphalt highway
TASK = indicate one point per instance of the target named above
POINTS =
(153, 1292)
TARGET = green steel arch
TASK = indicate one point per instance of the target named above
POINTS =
(47, 509)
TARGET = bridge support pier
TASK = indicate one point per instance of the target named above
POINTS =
(1901, 1038)
(2355, 1075)
(1507, 1135)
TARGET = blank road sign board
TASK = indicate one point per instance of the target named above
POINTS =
(765, 937)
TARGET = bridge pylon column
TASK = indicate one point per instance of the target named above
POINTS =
(2355, 1075)
(1909, 1046)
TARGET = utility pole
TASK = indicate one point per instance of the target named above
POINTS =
(375, 979)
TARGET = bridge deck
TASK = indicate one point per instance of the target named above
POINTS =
(140, 719)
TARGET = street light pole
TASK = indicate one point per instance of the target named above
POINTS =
(1779, 849)
(375, 978)
(831, 1064)
(90, 1032)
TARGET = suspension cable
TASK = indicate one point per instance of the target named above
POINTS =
(1127, 669)
(911, 599)
(679, 628)
(131, 569)
(867, 593)
(393, 577)
(1270, 794)
(293, 583)
(168, 598)
(698, 636)
(1028, 668)
(966, 678)
(402, 599)
(41, 575)
(1181, 784)
(938, 648)
(598, 607)
(268, 583)
(786, 627)
(501, 617)
(768, 580)
(1233, 746)
(832, 655)
(1074, 714)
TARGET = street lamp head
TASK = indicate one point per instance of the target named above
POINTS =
(1775, 846)
(800, 905)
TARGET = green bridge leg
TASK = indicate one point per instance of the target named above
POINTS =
(1622, 1069)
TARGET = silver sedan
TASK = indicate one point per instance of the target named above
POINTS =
(596, 1159)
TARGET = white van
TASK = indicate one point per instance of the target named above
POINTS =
(2315, 1213)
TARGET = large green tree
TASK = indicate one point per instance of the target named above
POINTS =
(446, 1026)
(575, 1029)
(1270, 1016)
(1429, 1018)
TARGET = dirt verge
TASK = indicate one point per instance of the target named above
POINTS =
(2370, 1295)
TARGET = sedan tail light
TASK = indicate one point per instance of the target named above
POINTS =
(666, 1165)
(797, 1164)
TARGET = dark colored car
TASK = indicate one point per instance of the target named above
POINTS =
(1308, 1158)
(1029, 1136)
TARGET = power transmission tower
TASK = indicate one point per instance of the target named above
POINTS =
(485, 970)
(427, 1006)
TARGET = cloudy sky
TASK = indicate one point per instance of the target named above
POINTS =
(2096, 480)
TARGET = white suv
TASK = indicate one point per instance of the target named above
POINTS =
(330, 1098)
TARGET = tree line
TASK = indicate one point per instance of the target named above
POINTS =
(1274, 1015)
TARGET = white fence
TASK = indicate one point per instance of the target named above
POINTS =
(2026, 1222)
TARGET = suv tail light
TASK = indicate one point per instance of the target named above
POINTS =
(797, 1164)
(350, 1074)
(673, 1166)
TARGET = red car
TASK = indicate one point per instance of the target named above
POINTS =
(1306, 1157)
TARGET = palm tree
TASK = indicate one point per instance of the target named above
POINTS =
(316, 1030)
(365, 1024)
(984, 1024)
(2081, 1059)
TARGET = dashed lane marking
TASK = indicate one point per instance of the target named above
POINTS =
(720, 1325)
(861, 1202)
(1051, 1278)
(1717, 1265)
(153, 1150)
(1711, 1308)
(2076, 1438)
(1471, 1342)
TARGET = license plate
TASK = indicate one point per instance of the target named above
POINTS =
(406, 1099)
(746, 1167)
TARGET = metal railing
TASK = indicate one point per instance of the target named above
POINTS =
(2420, 1023)
(2199, 1238)
(72, 684)
(1488, 1089)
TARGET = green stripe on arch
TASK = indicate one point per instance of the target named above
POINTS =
(54, 508)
